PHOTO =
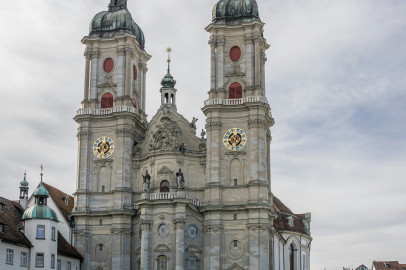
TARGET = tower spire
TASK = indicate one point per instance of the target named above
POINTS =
(168, 91)
(169, 50)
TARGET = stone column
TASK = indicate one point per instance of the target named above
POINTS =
(220, 64)
(145, 244)
(87, 76)
(257, 41)
(94, 74)
(213, 64)
(127, 85)
(249, 51)
(180, 243)
(212, 249)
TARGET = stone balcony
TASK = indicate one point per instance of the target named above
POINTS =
(169, 197)
(119, 109)
(238, 101)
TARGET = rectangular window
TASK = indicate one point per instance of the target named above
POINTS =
(235, 182)
(1, 207)
(68, 266)
(53, 234)
(52, 260)
(39, 260)
(235, 216)
(59, 266)
(9, 256)
(23, 259)
(1, 227)
(40, 231)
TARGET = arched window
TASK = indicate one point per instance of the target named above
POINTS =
(192, 263)
(162, 263)
(107, 101)
(235, 91)
(164, 186)
(292, 257)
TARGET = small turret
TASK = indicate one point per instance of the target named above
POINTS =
(24, 192)
(168, 91)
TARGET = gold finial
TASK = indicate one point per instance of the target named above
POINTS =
(169, 50)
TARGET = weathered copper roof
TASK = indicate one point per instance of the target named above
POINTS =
(235, 11)
(40, 212)
(117, 20)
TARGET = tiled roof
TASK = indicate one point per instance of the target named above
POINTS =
(281, 223)
(10, 217)
(386, 265)
(60, 198)
(66, 249)
(403, 266)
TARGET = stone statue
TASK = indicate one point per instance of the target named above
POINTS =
(180, 180)
(147, 181)
(182, 148)
(193, 124)
(202, 134)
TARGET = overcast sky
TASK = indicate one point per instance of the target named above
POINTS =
(336, 82)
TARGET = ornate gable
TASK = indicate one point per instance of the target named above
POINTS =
(235, 267)
(165, 170)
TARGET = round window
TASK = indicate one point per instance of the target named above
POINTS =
(108, 65)
(235, 53)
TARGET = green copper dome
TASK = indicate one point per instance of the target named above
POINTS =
(168, 81)
(235, 11)
(117, 20)
(40, 212)
(41, 191)
(24, 183)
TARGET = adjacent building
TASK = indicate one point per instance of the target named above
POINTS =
(31, 234)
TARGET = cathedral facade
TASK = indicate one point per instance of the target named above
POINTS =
(159, 194)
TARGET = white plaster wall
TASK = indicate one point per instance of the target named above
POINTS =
(74, 262)
(17, 256)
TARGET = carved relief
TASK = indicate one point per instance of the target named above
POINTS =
(84, 135)
(179, 223)
(213, 126)
(258, 123)
(213, 228)
(235, 71)
(167, 137)
(108, 82)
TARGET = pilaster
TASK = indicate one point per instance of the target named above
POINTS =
(146, 226)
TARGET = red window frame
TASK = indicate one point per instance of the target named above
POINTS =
(235, 91)
(107, 101)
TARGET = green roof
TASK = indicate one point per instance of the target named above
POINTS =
(41, 191)
(235, 11)
(40, 212)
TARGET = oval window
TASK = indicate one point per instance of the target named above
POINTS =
(108, 65)
(134, 72)
(235, 53)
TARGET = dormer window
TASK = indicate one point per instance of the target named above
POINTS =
(387, 265)
(1, 207)
(1, 228)
(290, 221)
(65, 200)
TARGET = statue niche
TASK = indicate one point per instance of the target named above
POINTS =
(167, 137)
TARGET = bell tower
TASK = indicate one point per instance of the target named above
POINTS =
(112, 121)
(238, 121)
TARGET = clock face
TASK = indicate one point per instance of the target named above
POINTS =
(163, 230)
(192, 231)
(235, 139)
(103, 147)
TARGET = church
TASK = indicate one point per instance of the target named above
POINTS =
(159, 194)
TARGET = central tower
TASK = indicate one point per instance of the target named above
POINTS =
(237, 195)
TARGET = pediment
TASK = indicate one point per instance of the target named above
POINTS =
(165, 170)
(193, 249)
(235, 267)
(162, 248)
